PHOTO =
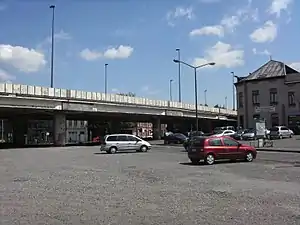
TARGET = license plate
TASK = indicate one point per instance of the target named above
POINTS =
(194, 150)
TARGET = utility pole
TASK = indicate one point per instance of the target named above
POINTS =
(52, 46)
(179, 75)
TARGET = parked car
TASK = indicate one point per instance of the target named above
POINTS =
(212, 148)
(190, 136)
(124, 142)
(249, 135)
(176, 138)
(238, 134)
(224, 133)
(280, 132)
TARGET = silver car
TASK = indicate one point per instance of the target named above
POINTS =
(280, 132)
(124, 142)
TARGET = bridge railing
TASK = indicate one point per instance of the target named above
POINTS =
(38, 91)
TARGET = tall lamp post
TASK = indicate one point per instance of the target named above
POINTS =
(233, 90)
(226, 106)
(52, 45)
(195, 83)
(105, 78)
(205, 99)
(170, 89)
(179, 75)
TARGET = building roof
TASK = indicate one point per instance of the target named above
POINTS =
(271, 69)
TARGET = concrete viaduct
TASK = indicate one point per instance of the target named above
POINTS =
(19, 102)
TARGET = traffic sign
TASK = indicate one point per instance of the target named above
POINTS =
(259, 109)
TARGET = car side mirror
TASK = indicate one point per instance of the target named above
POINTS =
(239, 144)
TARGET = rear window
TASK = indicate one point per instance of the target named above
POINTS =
(198, 141)
(274, 129)
(111, 138)
(215, 142)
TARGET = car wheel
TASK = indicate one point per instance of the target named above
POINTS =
(249, 157)
(210, 159)
(112, 150)
(143, 148)
(291, 135)
(280, 137)
(195, 161)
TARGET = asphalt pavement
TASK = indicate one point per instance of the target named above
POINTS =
(79, 185)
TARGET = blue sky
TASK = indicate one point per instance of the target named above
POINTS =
(138, 38)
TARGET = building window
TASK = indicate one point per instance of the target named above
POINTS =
(70, 123)
(241, 100)
(75, 123)
(291, 96)
(273, 96)
(255, 97)
(82, 123)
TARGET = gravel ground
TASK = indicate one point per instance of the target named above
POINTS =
(77, 185)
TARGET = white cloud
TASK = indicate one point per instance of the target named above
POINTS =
(5, 76)
(266, 33)
(24, 59)
(121, 52)
(179, 12)
(230, 23)
(208, 30)
(295, 65)
(279, 5)
(224, 55)
(61, 35)
(264, 52)
(90, 55)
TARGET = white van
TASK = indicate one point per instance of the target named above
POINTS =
(124, 142)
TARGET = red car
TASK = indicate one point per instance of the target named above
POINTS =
(211, 149)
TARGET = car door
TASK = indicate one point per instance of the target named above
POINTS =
(216, 146)
(231, 148)
(133, 143)
(285, 132)
(122, 143)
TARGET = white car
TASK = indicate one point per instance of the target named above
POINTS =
(224, 133)
(280, 132)
(124, 142)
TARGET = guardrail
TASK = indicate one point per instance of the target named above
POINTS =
(58, 93)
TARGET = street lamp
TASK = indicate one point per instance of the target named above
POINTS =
(179, 75)
(195, 81)
(105, 78)
(170, 89)
(226, 102)
(205, 99)
(52, 46)
(233, 90)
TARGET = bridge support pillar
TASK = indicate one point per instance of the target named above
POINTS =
(156, 126)
(59, 123)
(20, 127)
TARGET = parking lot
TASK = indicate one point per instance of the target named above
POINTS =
(78, 185)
